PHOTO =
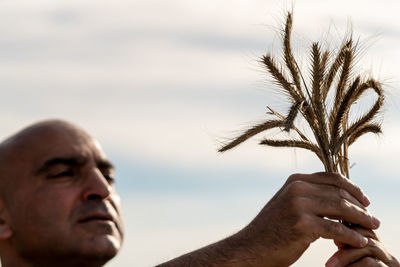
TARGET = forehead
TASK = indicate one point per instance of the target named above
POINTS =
(69, 144)
(37, 147)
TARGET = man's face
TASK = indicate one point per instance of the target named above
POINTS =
(64, 201)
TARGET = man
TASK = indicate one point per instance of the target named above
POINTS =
(58, 207)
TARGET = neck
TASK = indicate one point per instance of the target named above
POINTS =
(17, 262)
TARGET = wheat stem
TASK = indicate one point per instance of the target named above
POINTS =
(251, 132)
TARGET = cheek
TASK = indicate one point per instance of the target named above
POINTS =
(43, 210)
(116, 199)
(116, 202)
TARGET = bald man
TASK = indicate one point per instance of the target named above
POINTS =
(58, 207)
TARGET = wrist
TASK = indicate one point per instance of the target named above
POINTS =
(249, 248)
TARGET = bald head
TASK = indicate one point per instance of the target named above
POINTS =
(23, 150)
(60, 203)
(26, 145)
(37, 132)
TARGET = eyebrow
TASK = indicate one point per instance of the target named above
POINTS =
(72, 161)
(105, 164)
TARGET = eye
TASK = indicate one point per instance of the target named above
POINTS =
(110, 179)
(64, 173)
(108, 174)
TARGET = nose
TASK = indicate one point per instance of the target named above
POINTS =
(96, 187)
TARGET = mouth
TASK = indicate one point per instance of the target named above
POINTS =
(97, 218)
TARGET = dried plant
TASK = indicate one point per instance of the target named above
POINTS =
(333, 132)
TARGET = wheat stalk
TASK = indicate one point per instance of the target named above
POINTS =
(333, 133)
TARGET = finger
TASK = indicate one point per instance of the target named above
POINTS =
(368, 262)
(343, 193)
(364, 262)
(345, 183)
(333, 179)
(332, 192)
(348, 255)
(337, 231)
(395, 263)
(341, 209)
(365, 232)
(360, 230)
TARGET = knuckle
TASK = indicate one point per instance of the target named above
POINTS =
(373, 235)
(321, 173)
(337, 175)
(372, 242)
(374, 247)
(337, 228)
(296, 188)
(344, 193)
(339, 180)
(344, 204)
(304, 222)
(357, 190)
(334, 228)
(293, 177)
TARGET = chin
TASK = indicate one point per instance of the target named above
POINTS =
(103, 247)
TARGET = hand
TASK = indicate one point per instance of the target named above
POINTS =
(289, 223)
(374, 254)
(295, 217)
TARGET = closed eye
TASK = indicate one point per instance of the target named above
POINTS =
(110, 179)
(65, 173)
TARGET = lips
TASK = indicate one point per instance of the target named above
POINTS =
(97, 217)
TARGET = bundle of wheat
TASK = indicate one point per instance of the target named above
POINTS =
(333, 133)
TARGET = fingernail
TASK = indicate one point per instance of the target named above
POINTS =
(333, 262)
(366, 201)
(376, 221)
(363, 241)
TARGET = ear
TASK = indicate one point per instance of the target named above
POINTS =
(5, 230)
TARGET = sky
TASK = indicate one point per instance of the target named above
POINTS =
(160, 83)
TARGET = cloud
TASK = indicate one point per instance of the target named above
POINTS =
(159, 83)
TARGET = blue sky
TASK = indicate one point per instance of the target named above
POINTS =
(161, 83)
